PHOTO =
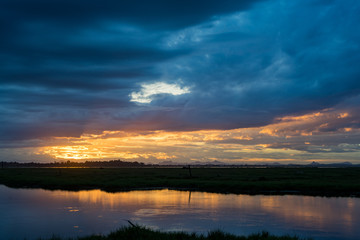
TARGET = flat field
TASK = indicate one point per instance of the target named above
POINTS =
(301, 181)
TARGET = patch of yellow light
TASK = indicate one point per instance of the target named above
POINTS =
(163, 156)
(74, 210)
(248, 138)
(306, 133)
(69, 152)
(98, 152)
(158, 145)
(302, 117)
(268, 131)
(324, 125)
(344, 115)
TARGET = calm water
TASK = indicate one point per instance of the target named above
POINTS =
(28, 213)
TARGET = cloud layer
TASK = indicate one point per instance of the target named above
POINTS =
(71, 68)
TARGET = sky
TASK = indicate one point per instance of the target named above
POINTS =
(251, 81)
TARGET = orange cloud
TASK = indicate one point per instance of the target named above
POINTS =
(308, 124)
(288, 139)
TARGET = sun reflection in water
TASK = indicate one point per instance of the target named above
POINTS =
(96, 211)
(305, 210)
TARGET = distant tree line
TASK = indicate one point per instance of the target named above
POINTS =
(123, 164)
(91, 164)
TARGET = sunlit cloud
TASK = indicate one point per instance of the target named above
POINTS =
(328, 120)
(289, 139)
(150, 90)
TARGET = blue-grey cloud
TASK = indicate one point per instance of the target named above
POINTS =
(71, 66)
(154, 14)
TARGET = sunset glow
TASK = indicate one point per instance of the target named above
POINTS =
(289, 139)
(238, 82)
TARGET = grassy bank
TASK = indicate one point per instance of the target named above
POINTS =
(306, 181)
(141, 233)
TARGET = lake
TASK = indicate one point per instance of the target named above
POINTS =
(33, 213)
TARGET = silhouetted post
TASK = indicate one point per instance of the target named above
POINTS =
(190, 171)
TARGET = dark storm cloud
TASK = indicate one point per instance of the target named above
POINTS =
(23, 99)
(38, 36)
(63, 61)
(158, 13)
(70, 66)
(89, 79)
(286, 58)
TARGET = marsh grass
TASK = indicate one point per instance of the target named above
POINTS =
(143, 233)
(305, 181)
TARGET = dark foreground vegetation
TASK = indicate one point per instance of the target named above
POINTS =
(142, 233)
(302, 181)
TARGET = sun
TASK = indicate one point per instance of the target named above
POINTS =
(69, 152)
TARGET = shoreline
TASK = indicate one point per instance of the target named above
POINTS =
(237, 192)
(309, 182)
(134, 232)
